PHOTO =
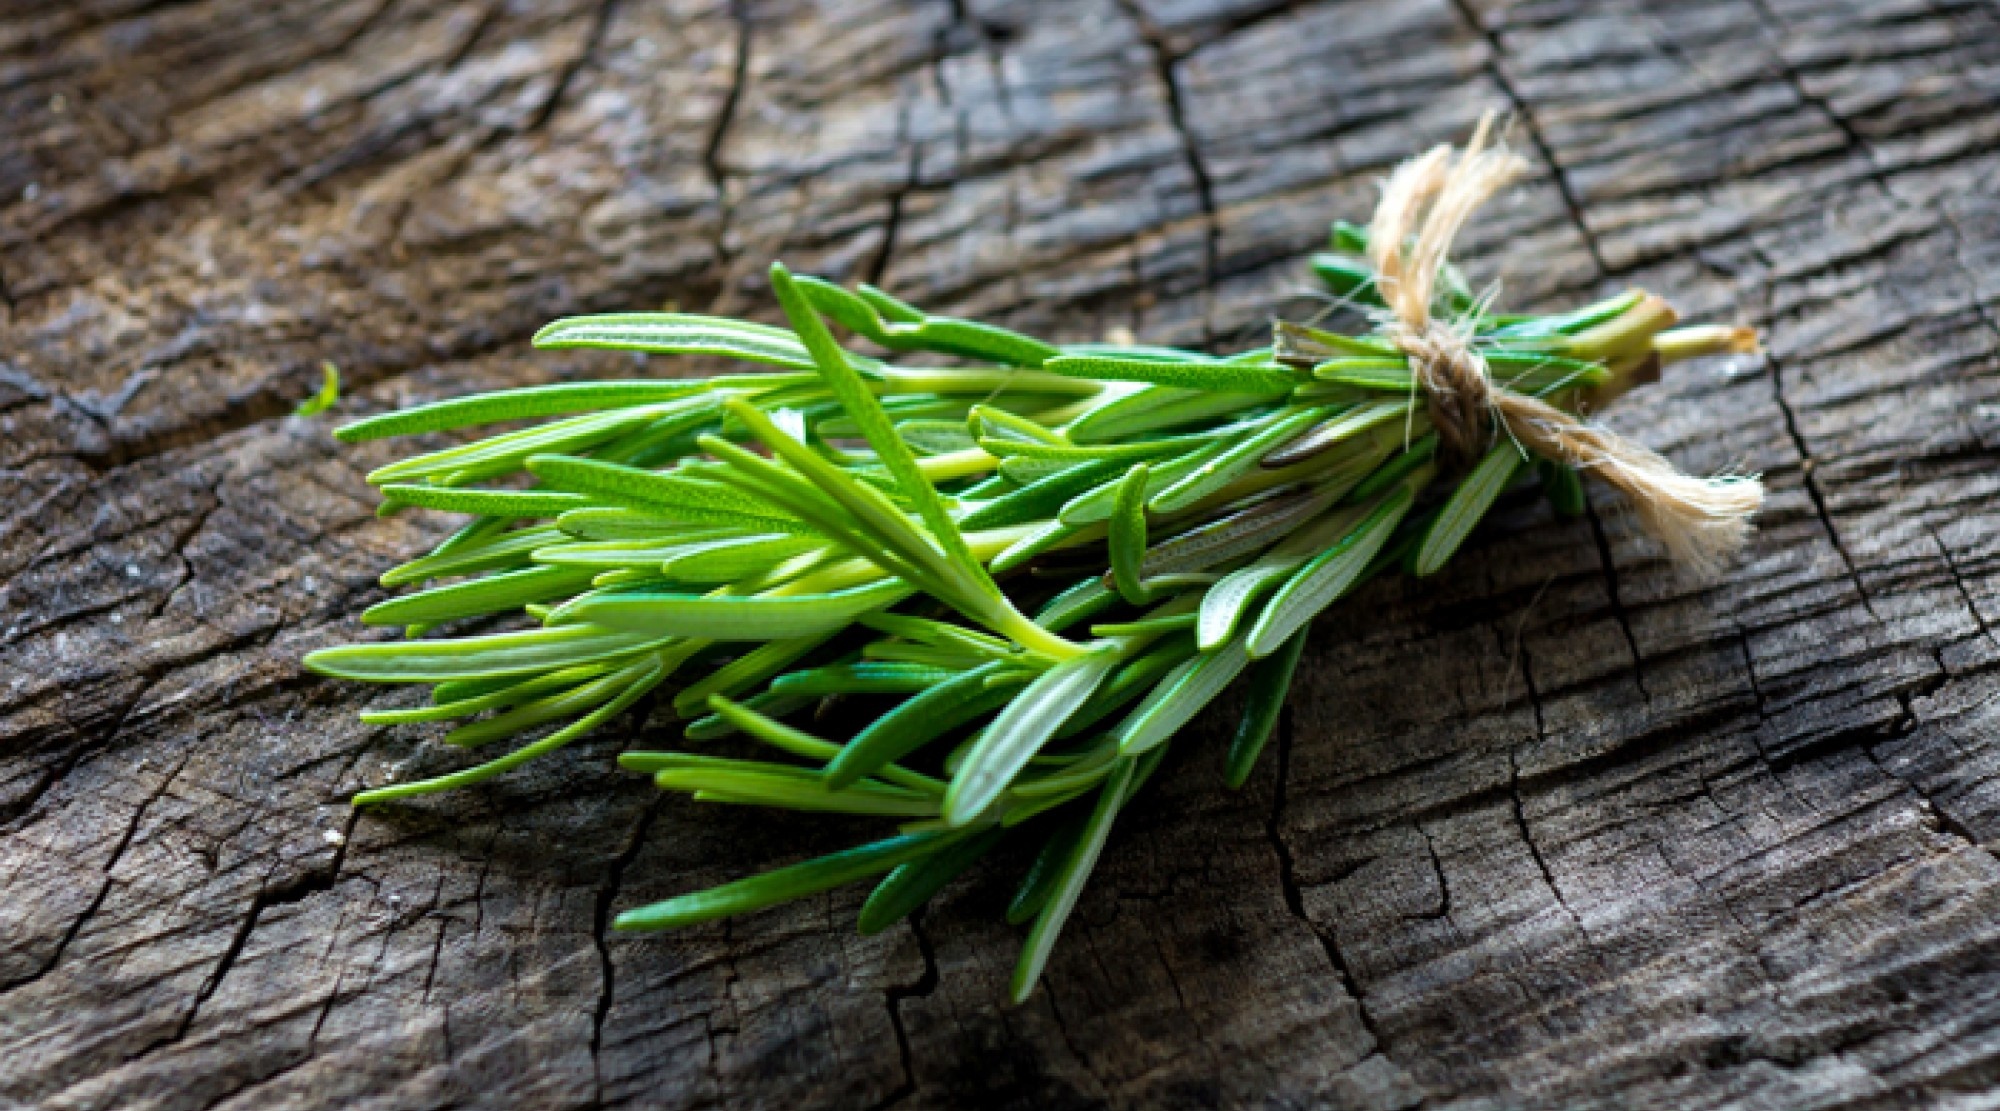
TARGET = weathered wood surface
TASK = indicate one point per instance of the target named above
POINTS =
(1553, 828)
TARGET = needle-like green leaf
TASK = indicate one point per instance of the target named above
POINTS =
(714, 727)
(868, 677)
(725, 618)
(1335, 430)
(1315, 586)
(1068, 884)
(924, 718)
(1180, 696)
(1130, 682)
(434, 661)
(1563, 486)
(735, 558)
(1043, 498)
(1391, 373)
(1467, 504)
(504, 453)
(942, 634)
(862, 408)
(1068, 455)
(325, 397)
(637, 680)
(905, 328)
(1221, 469)
(1269, 380)
(563, 705)
(865, 507)
(745, 671)
(1249, 530)
(1226, 602)
(935, 437)
(1270, 679)
(672, 333)
(1095, 505)
(745, 783)
(494, 594)
(989, 422)
(1128, 535)
(1303, 345)
(763, 727)
(505, 405)
(601, 555)
(511, 690)
(683, 497)
(1153, 408)
(1020, 731)
(911, 885)
(1036, 543)
(1047, 868)
(780, 886)
(487, 553)
(487, 503)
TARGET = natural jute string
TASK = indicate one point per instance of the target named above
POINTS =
(1426, 201)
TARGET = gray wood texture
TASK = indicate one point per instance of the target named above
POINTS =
(1554, 828)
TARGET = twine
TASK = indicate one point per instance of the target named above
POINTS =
(1425, 203)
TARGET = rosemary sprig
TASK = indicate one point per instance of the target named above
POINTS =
(843, 526)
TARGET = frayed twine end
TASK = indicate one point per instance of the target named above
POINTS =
(1701, 522)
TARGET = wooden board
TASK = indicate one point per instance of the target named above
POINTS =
(1554, 828)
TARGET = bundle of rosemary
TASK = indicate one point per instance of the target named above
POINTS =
(1038, 563)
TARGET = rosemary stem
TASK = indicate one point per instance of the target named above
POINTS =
(1706, 339)
(1009, 623)
(1630, 332)
(982, 381)
(956, 464)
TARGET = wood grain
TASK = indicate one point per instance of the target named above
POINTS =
(1553, 828)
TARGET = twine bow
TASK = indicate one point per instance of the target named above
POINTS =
(1424, 205)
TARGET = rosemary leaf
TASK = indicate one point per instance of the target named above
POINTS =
(911, 885)
(724, 618)
(668, 333)
(1068, 883)
(1020, 731)
(1270, 679)
(1467, 504)
(506, 405)
(1203, 374)
(1326, 577)
(780, 886)
(433, 661)
(924, 718)
(1128, 534)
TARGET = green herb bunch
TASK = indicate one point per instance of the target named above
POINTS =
(1038, 562)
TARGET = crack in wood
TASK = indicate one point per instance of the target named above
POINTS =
(607, 897)
(1294, 895)
(1164, 63)
(593, 39)
(1495, 51)
(295, 890)
(893, 998)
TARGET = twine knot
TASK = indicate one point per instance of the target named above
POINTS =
(1457, 391)
(1424, 205)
